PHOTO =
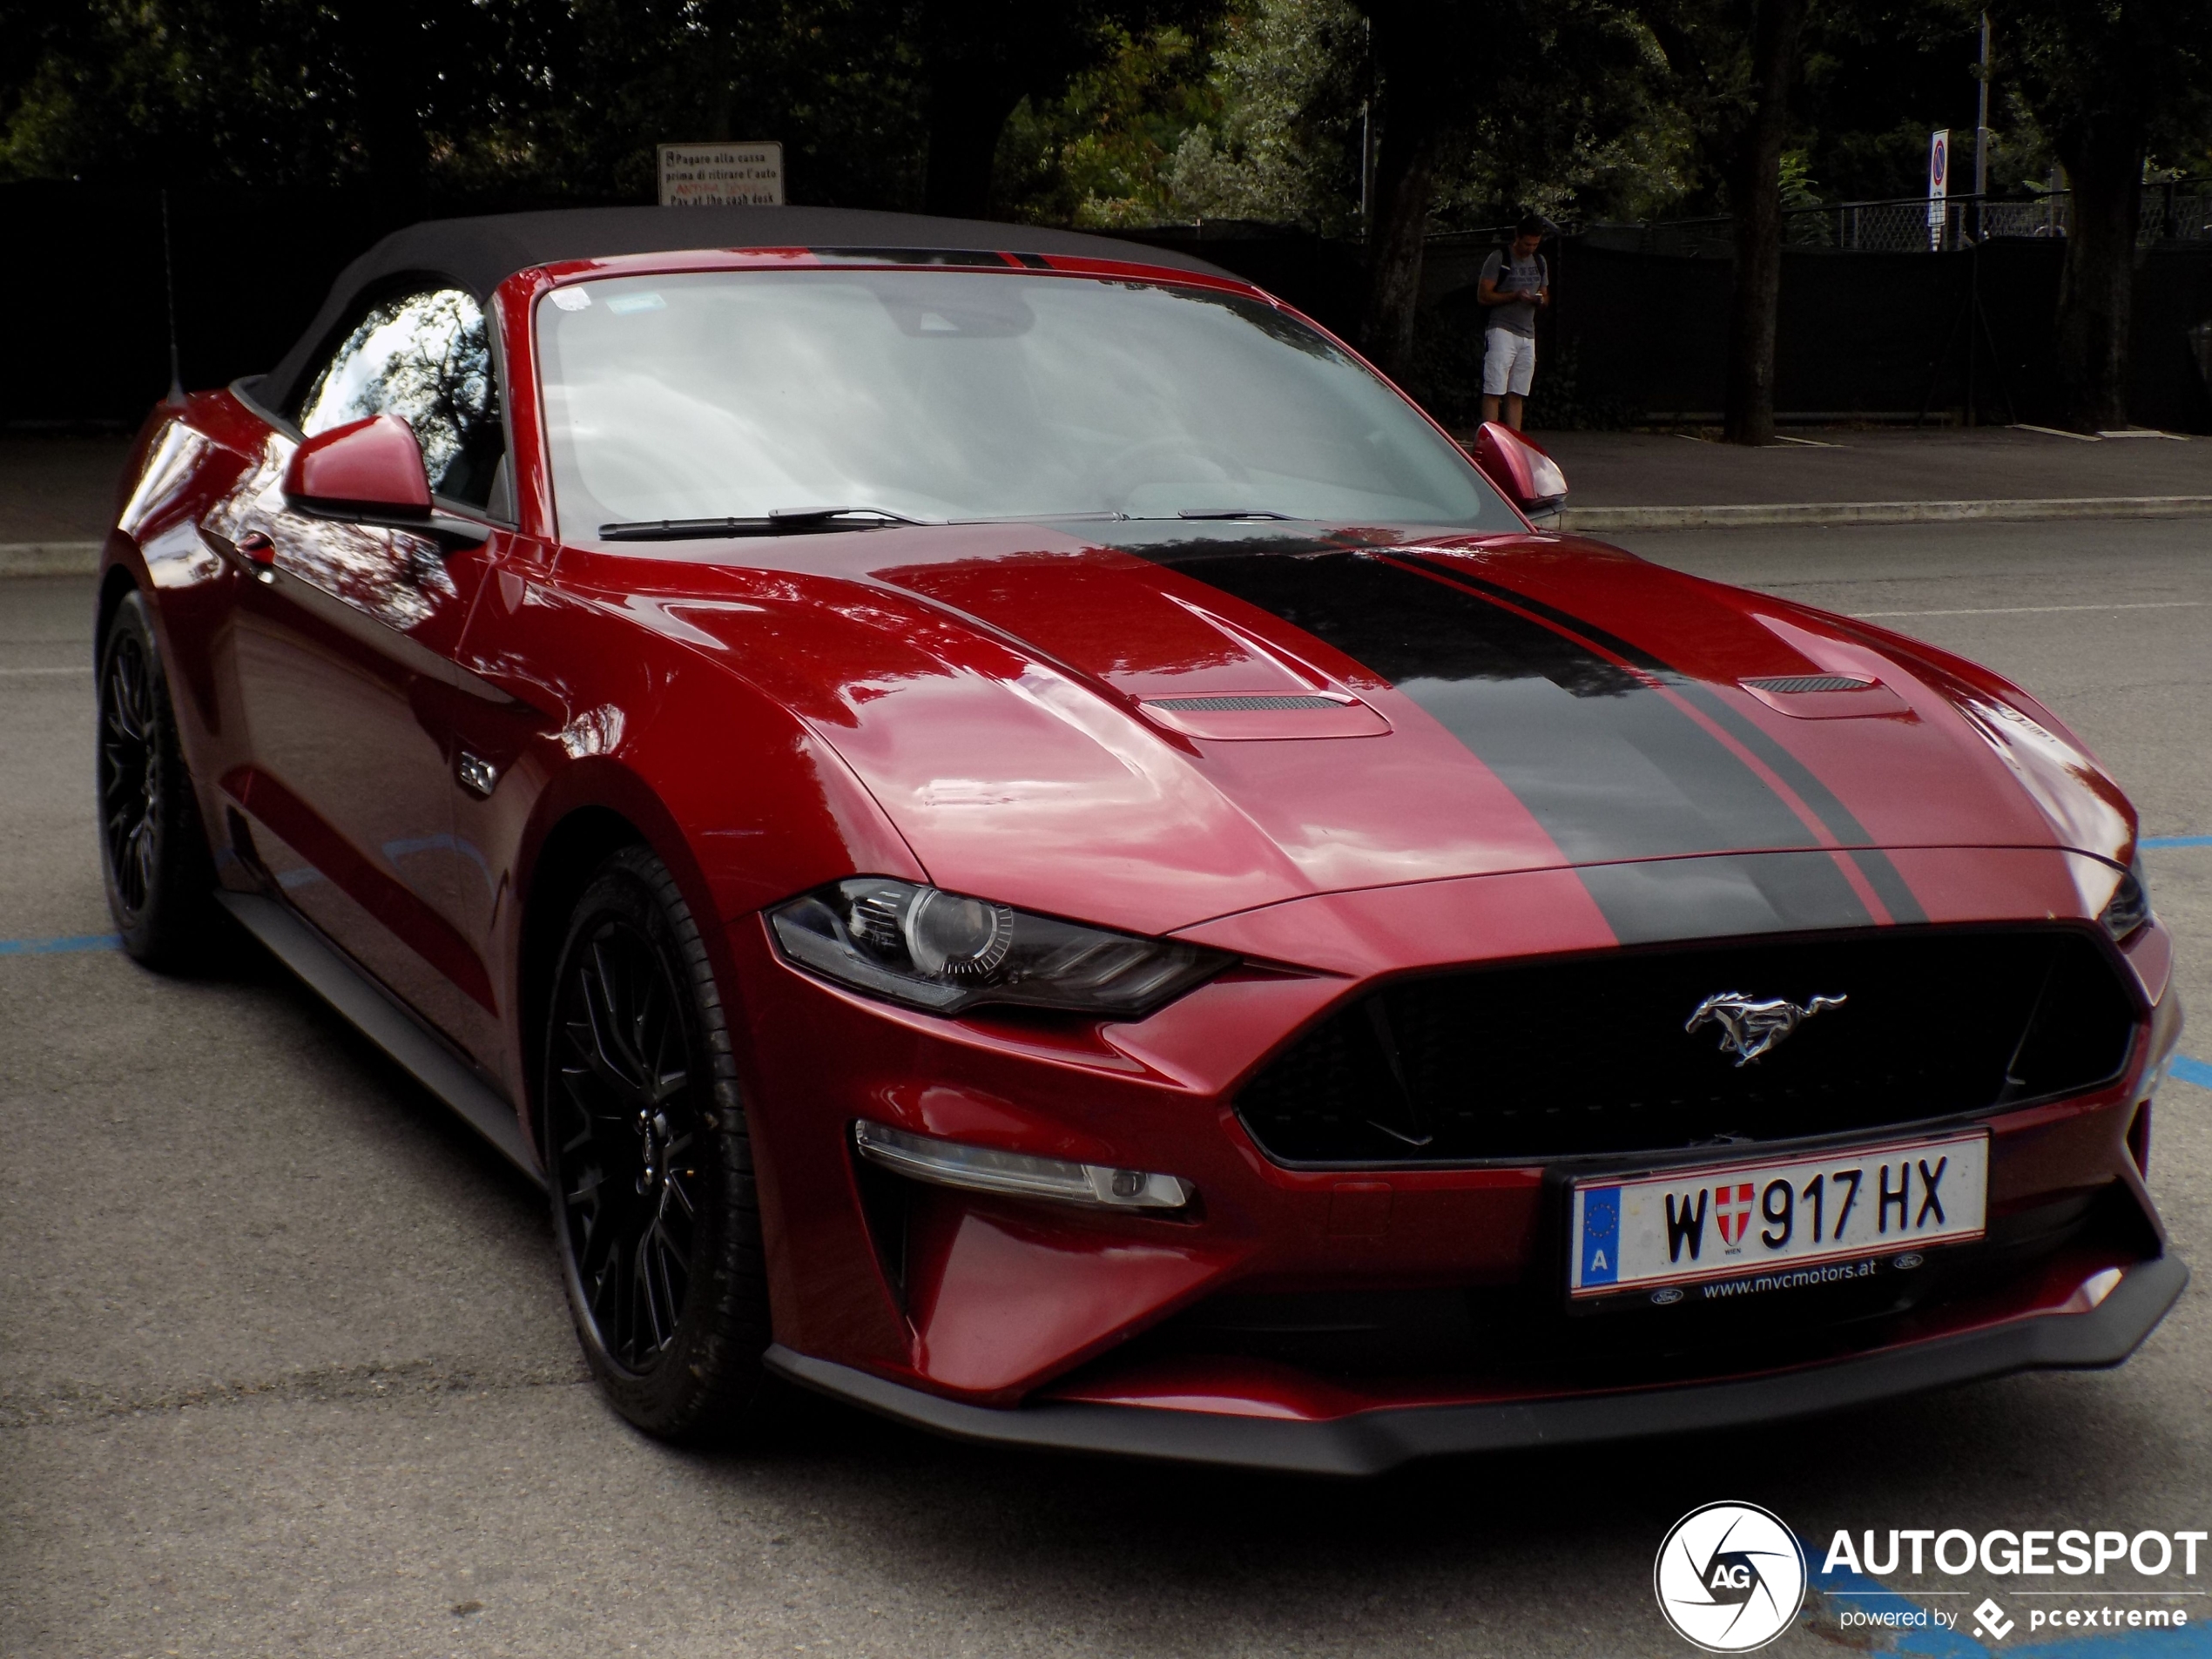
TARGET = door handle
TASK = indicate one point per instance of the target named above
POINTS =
(253, 551)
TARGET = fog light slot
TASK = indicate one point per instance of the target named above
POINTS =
(986, 1169)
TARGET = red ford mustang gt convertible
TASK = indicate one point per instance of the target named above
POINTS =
(1018, 838)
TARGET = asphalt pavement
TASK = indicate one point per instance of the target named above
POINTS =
(1613, 469)
(284, 1366)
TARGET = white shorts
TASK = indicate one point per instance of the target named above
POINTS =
(1508, 364)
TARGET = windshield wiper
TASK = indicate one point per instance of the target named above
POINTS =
(1229, 512)
(781, 521)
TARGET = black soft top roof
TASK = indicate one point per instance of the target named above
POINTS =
(478, 254)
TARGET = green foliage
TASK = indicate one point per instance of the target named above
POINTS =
(1800, 193)
(1100, 156)
(1290, 81)
(2143, 66)
(1601, 109)
(1878, 76)
(1579, 122)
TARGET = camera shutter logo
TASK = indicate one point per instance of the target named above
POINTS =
(1729, 1578)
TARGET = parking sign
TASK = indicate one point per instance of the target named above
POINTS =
(1938, 186)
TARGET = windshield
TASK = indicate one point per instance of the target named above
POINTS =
(946, 395)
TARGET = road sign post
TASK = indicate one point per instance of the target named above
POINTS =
(1938, 187)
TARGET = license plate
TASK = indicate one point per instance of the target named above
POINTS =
(1724, 1221)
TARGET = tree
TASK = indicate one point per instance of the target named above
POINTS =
(1103, 155)
(2107, 80)
(1513, 94)
(1755, 189)
(980, 58)
(1878, 76)
(1424, 57)
(1289, 79)
(1734, 63)
(278, 93)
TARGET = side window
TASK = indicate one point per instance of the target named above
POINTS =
(425, 357)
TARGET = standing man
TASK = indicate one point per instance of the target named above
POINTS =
(1515, 282)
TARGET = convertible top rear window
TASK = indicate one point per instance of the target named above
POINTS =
(937, 396)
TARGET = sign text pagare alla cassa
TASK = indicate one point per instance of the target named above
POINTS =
(722, 175)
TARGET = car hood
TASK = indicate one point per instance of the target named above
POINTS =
(1153, 725)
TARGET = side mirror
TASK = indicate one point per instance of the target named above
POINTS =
(371, 472)
(367, 469)
(1530, 479)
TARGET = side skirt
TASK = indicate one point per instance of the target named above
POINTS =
(354, 995)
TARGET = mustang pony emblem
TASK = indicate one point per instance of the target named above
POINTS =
(1750, 1026)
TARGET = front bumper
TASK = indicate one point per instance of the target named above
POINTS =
(1041, 1323)
(1368, 1442)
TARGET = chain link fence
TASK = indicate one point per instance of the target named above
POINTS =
(2175, 211)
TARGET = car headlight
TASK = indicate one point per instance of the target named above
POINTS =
(947, 952)
(2131, 906)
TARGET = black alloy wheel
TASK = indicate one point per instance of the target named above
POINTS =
(153, 848)
(648, 1162)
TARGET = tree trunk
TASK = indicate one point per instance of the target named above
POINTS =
(1405, 181)
(2104, 162)
(967, 111)
(1755, 188)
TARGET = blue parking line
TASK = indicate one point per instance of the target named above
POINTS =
(2190, 1071)
(59, 947)
(2192, 1641)
(2161, 842)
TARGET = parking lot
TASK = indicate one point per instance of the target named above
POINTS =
(284, 1365)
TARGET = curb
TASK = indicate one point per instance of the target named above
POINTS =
(49, 558)
(1574, 519)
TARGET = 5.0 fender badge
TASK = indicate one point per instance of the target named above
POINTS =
(1750, 1026)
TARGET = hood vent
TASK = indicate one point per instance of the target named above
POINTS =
(1790, 683)
(1828, 696)
(1247, 704)
(1246, 717)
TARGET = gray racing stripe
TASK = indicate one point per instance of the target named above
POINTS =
(1838, 819)
(1613, 769)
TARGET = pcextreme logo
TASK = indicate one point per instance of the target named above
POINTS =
(2037, 1561)
(1729, 1578)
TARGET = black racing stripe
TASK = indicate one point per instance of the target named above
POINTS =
(1757, 892)
(1610, 768)
(1883, 875)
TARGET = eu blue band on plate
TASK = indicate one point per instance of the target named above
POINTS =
(1601, 1234)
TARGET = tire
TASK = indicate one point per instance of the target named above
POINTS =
(154, 847)
(649, 1165)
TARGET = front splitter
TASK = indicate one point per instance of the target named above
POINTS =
(1369, 1442)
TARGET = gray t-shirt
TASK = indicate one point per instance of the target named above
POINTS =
(1521, 276)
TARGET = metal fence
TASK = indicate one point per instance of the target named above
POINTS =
(2175, 211)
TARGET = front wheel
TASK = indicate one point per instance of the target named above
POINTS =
(153, 848)
(648, 1162)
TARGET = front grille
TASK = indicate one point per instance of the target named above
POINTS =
(1522, 1333)
(1588, 1055)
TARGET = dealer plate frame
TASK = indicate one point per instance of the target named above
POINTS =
(1706, 1171)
